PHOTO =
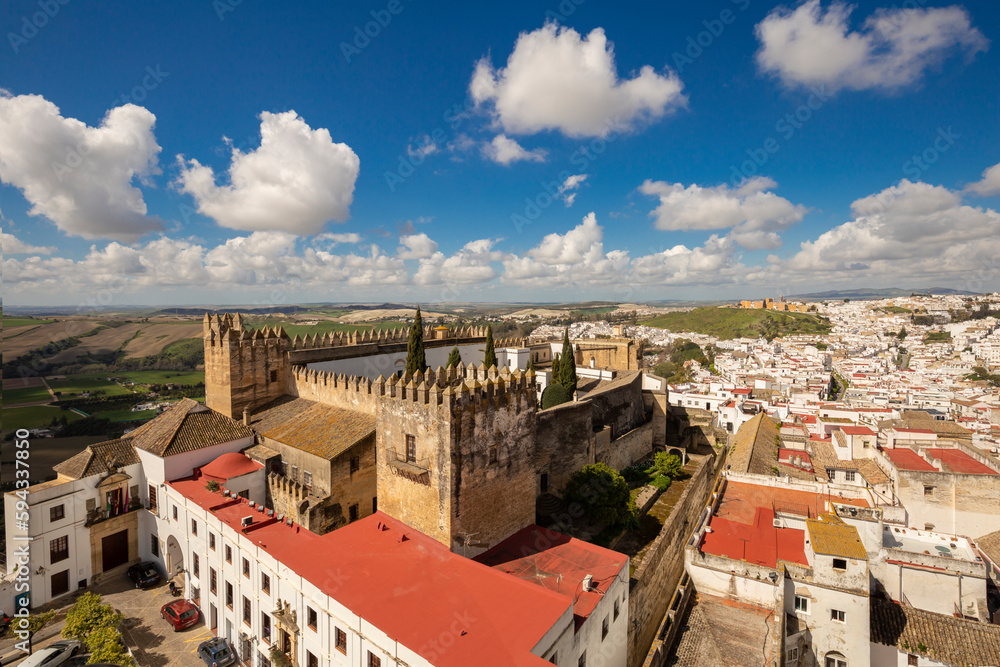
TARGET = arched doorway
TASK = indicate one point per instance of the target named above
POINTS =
(175, 557)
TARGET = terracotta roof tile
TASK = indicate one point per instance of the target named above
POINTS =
(754, 449)
(94, 459)
(946, 639)
(313, 427)
(831, 536)
(186, 427)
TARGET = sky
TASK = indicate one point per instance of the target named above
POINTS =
(236, 152)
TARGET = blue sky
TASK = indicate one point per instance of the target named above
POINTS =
(238, 152)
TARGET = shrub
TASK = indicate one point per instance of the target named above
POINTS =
(603, 493)
(87, 615)
(662, 482)
(105, 646)
(669, 465)
(554, 394)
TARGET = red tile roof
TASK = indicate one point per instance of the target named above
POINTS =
(405, 583)
(905, 458)
(955, 460)
(229, 465)
(761, 543)
(857, 430)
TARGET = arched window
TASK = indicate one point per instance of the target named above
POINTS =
(834, 659)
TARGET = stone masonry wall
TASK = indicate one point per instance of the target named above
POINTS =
(636, 445)
(565, 437)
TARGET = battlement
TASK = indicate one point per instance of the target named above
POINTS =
(449, 387)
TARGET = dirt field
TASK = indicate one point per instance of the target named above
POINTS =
(539, 312)
(384, 314)
(10, 384)
(155, 337)
(108, 340)
(16, 343)
(47, 452)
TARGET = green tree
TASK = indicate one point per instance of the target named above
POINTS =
(531, 364)
(902, 333)
(416, 360)
(555, 368)
(567, 365)
(455, 358)
(667, 464)
(106, 647)
(87, 615)
(554, 395)
(490, 360)
(603, 493)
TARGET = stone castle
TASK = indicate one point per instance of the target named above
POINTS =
(462, 453)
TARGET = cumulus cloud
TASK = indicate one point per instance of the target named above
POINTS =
(574, 258)
(812, 46)
(504, 150)
(568, 186)
(911, 229)
(334, 239)
(713, 263)
(296, 181)
(989, 184)
(754, 214)
(556, 79)
(472, 264)
(81, 178)
(416, 246)
(11, 245)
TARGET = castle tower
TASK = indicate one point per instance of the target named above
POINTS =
(457, 462)
(242, 369)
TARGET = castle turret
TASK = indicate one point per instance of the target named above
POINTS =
(242, 371)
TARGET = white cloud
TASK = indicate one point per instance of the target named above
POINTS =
(11, 245)
(425, 146)
(334, 239)
(472, 264)
(571, 183)
(557, 80)
(81, 178)
(754, 215)
(989, 184)
(809, 46)
(296, 181)
(714, 263)
(574, 258)
(416, 246)
(504, 150)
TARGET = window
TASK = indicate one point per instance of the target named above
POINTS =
(295, 473)
(194, 527)
(411, 448)
(284, 469)
(229, 554)
(212, 580)
(582, 662)
(195, 564)
(265, 628)
(802, 604)
(554, 659)
(265, 583)
(57, 513)
(211, 541)
(311, 619)
(928, 490)
(175, 512)
(374, 660)
(152, 499)
(246, 568)
(245, 493)
(355, 464)
(353, 512)
(839, 564)
(341, 640)
(832, 474)
(374, 504)
(311, 660)
(246, 610)
(493, 454)
(792, 654)
(835, 660)
(229, 595)
(838, 615)
(616, 610)
(307, 480)
(59, 549)
(263, 660)
(274, 376)
(911, 659)
(154, 545)
(849, 475)
(604, 628)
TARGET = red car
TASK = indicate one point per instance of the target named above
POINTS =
(180, 613)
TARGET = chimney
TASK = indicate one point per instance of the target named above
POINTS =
(246, 416)
(587, 582)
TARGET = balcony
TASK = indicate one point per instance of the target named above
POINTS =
(415, 470)
(95, 516)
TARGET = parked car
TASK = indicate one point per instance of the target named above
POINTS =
(4, 622)
(216, 652)
(180, 614)
(54, 654)
(144, 575)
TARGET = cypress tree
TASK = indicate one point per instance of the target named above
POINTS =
(567, 365)
(491, 356)
(455, 358)
(555, 369)
(416, 360)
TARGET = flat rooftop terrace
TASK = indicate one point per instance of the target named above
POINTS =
(740, 501)
(926, 542)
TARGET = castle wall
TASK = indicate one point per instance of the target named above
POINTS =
(387, 363)
(565, 441)
(619, 406)
(339, 391)
(634, 446)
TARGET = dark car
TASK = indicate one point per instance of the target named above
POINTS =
(144, 575)
(180, 614)
(4, 622)
(216, 652)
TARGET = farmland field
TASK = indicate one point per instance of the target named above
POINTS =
(154, 337)
(325, 327)
(22, 383)
(102, 342)
(47, 453)
(163, 377)
(75, 385)
(10, 322)
(36, 416)
(26, 395)
(16, 344)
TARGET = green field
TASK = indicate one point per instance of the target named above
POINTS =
(324, 327)
(163, 377)
(75, 385)
(11, 321)
(125, 415)
(728, 323)
(26, 395)
(937, 336)
(36, 416)
(895, 309)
